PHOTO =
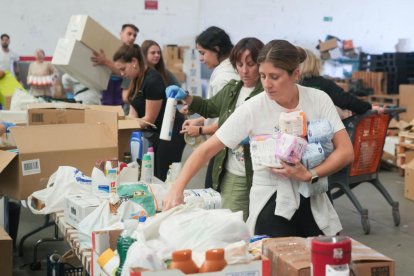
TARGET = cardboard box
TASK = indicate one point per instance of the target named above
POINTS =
(74, 57)
(55, 115)
(328, 45)
(77, 207)
(102, 240)
(92, 34)
(6, 253)
(407, 101)
(68, 113)
(64, 113)
(291, 257)
(179, 75)
(51, 146)
(409, 180)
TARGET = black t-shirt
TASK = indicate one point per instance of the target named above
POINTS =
(152, 88)
(339, 97)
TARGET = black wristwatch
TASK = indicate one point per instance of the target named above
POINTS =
(314, 176)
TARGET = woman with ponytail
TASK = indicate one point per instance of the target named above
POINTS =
(276, 207)
(147, 101)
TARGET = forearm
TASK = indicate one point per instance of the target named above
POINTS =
(209, 130)
(342, 155)
(208, 108)
(196, 161)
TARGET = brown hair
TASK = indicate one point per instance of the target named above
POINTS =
(252, 44)
(160, 66)
(129, 25)
(282, 54)
(125, 54)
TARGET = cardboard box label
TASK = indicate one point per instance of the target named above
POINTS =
(30, 167)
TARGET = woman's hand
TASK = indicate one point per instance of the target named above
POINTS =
(173, 198)
(191, 127)
(296, 171)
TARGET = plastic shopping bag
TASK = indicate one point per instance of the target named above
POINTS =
(65, 181)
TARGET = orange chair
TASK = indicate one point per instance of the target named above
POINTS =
(367, 132)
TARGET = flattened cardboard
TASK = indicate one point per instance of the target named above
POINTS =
(51, 146)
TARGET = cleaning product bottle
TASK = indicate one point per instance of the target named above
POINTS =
(136, 146)
(151, 153)
(183, 261)
(214, 261)
(125, 240)
(147, 170)
(109, 261)
(168, 120)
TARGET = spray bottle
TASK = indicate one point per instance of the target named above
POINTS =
(168, 120)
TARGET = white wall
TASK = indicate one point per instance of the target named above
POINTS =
(373, 25)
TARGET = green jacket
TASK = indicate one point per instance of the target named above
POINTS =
(222, 105)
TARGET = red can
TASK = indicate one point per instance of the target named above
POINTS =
(334, 251)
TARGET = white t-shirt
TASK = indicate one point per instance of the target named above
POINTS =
(260, 115)
(221, 75)
(235, 157)
(88, 96)
(7, 60)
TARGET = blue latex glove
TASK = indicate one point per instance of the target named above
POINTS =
(7, 125)
(245, 141)
(176, 92)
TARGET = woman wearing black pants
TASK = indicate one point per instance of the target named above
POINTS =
(147, 101)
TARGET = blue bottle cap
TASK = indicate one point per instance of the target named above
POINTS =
(142, 218)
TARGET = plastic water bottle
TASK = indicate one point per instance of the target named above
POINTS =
(168, 120)
(147, 171)
(136, 146)
(151, 153)
(125, 240)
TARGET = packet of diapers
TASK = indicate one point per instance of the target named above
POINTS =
(293, 123)
(290, 148)
(313, 155)
(262, 151)
(320, 131)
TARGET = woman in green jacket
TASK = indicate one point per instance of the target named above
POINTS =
(232, 169)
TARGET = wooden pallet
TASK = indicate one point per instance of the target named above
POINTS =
(405, 149)
(375, 80)
(393, 100)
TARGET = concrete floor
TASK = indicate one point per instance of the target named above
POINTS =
(394, 242)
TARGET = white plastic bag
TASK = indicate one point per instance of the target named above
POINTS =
(65, 181)
(199, 230)
(21, 99)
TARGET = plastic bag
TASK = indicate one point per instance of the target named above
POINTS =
(65, 181)
(21, 99)
(139, 193)
(199, 230)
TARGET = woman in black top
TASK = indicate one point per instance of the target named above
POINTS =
(147, 101)
(310, 77)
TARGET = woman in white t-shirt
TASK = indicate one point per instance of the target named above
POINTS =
(276, 206)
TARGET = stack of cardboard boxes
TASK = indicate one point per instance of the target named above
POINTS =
(174, 59)
(73, 52)
(292, 257)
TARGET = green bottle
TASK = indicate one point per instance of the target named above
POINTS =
(125, 240)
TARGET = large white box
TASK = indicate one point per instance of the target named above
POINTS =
(74, 58)
(77, 207)
(92, 34)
